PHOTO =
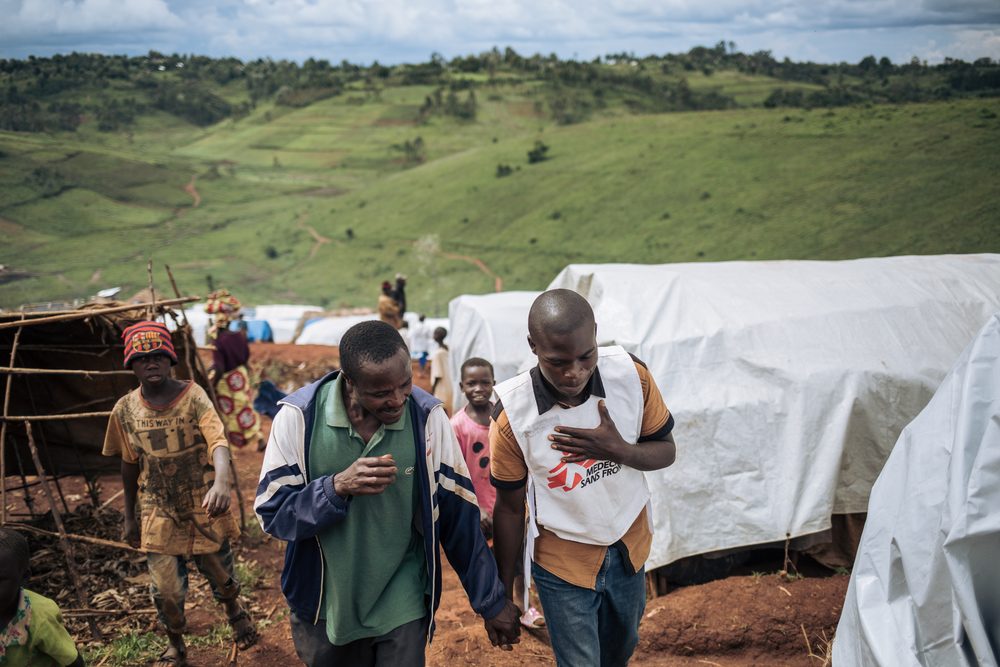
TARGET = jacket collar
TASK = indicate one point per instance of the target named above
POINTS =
(336, 412)
(545, 398)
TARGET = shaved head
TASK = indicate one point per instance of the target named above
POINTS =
(559, 312)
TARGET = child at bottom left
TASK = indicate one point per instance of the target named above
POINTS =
(31, 625)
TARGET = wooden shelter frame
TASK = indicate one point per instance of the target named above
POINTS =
(191, 362)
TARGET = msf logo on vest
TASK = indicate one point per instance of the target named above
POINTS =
(568, 476)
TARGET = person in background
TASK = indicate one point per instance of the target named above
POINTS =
(472, 428)
(392, 302)
(231, 376)
(173, 448)
(31, 625)
(441, 371)
(404, 332)
(421, 343)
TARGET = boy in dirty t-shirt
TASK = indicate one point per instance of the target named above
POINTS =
(174, 456)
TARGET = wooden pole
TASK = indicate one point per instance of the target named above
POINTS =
(57, 371)
(79, 538)
(84, 314)
(83, 613)
(152, 294)
(36, 418)
(67, 548)
(3, 435)
(215, 400)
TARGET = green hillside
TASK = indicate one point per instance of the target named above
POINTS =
(322, 202)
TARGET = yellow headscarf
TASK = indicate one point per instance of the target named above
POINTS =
(224, 306)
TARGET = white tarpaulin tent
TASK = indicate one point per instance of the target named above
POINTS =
(200, 322)
(329, 330)
(283, 319)
(790, 381)
(925, 589)
(491, 326)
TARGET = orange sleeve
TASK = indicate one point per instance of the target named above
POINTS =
(211, 428)
(116, 442)
(654, 411)
(507, 460)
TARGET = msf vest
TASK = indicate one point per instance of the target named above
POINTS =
(593, 502)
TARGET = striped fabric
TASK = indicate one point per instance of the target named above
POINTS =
(146, 338)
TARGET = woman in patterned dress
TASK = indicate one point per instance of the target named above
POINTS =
(232, 377)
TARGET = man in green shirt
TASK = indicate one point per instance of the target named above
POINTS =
(364, 478)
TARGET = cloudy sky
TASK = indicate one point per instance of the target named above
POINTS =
(394, 31)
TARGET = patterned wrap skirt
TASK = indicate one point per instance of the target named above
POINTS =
(236, 405)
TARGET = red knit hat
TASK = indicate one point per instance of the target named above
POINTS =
(147, 338)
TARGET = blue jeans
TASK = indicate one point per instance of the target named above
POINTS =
(168, 582)
(593, 628)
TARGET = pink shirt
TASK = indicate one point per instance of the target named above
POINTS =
(475, 443)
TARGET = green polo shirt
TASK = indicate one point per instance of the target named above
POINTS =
(374, 575)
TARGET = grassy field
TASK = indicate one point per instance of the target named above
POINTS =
(84, 211)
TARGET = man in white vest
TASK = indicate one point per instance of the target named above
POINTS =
(570, 439)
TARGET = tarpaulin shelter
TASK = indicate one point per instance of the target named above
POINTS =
(257, 331)
(491, 326)
(283, 319)
(790, 381)
(329, 330)
(925, 589)
(63, 373)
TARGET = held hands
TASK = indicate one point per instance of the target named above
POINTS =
(603, 443)
(504, 629)
(367, 476)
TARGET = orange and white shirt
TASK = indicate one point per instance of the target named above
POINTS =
(579, 510)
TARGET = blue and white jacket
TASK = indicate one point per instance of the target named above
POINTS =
(294, 508)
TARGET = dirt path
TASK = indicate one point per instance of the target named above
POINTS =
(320, 240)
(502, 112)
(189, 188)
(497, 280)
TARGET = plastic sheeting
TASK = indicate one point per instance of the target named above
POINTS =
(493, 327)
(329, 330)
(200, 322)
(790, 381)
(925, 589)
(283, 318)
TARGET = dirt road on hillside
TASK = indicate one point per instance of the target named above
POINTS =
(189, 188)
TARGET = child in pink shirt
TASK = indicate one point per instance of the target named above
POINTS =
(472, 426)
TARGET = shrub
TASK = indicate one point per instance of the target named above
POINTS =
(537, 154)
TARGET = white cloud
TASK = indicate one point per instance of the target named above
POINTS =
(87, 16)
(409, 30)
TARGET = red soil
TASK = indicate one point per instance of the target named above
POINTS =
(747, 621)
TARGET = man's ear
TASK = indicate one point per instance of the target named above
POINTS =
(531, 344)
(26, 578)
